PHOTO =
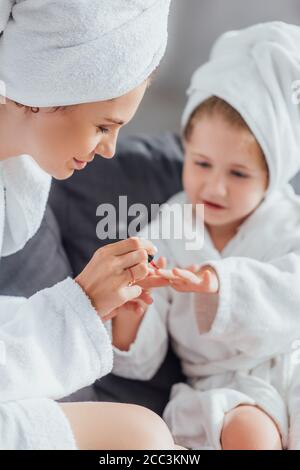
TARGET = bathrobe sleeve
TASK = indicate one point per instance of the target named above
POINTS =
(149, 349)
(51, 344)
(258, 309)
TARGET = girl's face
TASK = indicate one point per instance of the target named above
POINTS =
(224, 170)
(66, 140)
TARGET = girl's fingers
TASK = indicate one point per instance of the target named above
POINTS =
(209, 282)
(193, 268)
(167, 274)
(151, 282)
(187, 275)
(161, 262)
(178, 286)
(139, 310)
(146, 297)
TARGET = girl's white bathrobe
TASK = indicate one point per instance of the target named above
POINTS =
(50, 344)
(236, 346)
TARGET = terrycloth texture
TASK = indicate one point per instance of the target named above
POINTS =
(245, 356)
(51, 344)
(34, 425)
(254, 70)
(54, 341)
(24, 190)
(62, 53)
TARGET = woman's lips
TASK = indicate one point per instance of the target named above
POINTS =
(79, 165)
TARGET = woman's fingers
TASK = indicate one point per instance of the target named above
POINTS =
(132, 244)
(133, 258)
(135, 273)
(130, 293)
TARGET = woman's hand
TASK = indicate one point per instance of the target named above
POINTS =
(192, 279)
(140, 304)
(154, 279)
(136, 307)
(107, 279)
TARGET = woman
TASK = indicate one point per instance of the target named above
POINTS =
(73, 74)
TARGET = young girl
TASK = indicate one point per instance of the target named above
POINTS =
(232, 308)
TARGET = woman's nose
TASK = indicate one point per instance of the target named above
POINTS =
(107, 147)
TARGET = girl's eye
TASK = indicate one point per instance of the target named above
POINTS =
(102, 129)
(239, 174)
(203, 164)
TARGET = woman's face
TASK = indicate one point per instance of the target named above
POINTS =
(60, 141)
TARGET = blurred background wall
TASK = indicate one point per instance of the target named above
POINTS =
(194, 26)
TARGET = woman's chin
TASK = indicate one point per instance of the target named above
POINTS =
(64, 177)
(62, 174)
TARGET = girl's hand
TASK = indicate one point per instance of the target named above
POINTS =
(107, 278)
(192, 279)
(126, 320)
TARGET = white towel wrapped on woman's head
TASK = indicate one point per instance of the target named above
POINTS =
(254, 71)
(55, 53)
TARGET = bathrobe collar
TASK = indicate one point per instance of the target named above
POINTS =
(24, 190)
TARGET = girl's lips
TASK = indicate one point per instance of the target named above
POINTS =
(79, 164)
(211, 205)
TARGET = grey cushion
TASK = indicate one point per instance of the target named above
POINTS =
(42, 262)
(147, 170)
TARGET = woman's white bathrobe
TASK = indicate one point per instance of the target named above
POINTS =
(50, 344)
(236, 346)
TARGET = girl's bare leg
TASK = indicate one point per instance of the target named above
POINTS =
(108, 426)
(247, 427)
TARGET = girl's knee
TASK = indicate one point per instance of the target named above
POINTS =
(249, 428)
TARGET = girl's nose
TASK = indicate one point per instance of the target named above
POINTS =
(218, 185)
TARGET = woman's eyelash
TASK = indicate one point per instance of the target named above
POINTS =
(102, 129)
(203, 164)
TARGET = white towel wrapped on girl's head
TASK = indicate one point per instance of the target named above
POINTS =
(254, 70)
(55, 53)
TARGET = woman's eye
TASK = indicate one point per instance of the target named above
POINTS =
(203, 164)
(239, 174)
(102, 129)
